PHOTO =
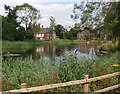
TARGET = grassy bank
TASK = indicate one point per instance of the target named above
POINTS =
(39, 72)
(104, 45)
(22, 46)
(26, 44)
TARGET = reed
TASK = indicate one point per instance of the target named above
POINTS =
(39, 72)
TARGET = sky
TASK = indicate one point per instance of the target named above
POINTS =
(60, 9)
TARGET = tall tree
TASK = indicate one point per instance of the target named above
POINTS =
(8, 29)
(112, 20)
(10, 22)
(28, 16)
(89, 14)
(60, 30)
(52, 24)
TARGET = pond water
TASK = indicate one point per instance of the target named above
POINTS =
(83, 51)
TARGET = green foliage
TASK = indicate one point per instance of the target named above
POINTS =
(28, 35)
(52, 24)
(25, 35)
(27, 71)
(9, 24)
(39, 72)
(20, 33)
(28, 15)
(112, 19)
(89, 14)
(69, 66)
(11, 29)
(11, 13)
(60, 30)
(72, 34)
(8, 29)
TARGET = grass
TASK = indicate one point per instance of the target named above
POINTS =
(39, 72)
(8, 44)
(22, 46)
(28, 44)
(31, 72)
(62, 42)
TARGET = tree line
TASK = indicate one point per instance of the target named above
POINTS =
(101, 18)
(20, 22)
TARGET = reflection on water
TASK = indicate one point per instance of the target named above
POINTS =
(52, 52)
(48, 52)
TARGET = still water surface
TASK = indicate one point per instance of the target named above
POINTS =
(83, 51)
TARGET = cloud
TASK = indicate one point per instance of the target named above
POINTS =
(2, 11)
(44, 19)
(61, 11)
(54, 7)
(38, 1)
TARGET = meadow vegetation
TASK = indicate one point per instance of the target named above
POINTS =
(39, 72)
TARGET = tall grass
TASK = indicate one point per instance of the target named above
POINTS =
(29, 71)
(39, 72)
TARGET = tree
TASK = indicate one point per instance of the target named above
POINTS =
(112, 20)
(52, 24)
(11, 29)
(8, 29)
(89, 14)
(72, 34)
(9, 23)
(28, 16)
(11, 13)
(20, 34)
(60, 30)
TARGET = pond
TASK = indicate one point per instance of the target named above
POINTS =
(53, 52)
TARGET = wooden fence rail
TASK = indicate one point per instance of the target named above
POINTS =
(85, 81)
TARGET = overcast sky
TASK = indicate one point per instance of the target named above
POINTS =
(60, 9)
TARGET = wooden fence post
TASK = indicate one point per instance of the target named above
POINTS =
(23, 85)
(85, 87)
